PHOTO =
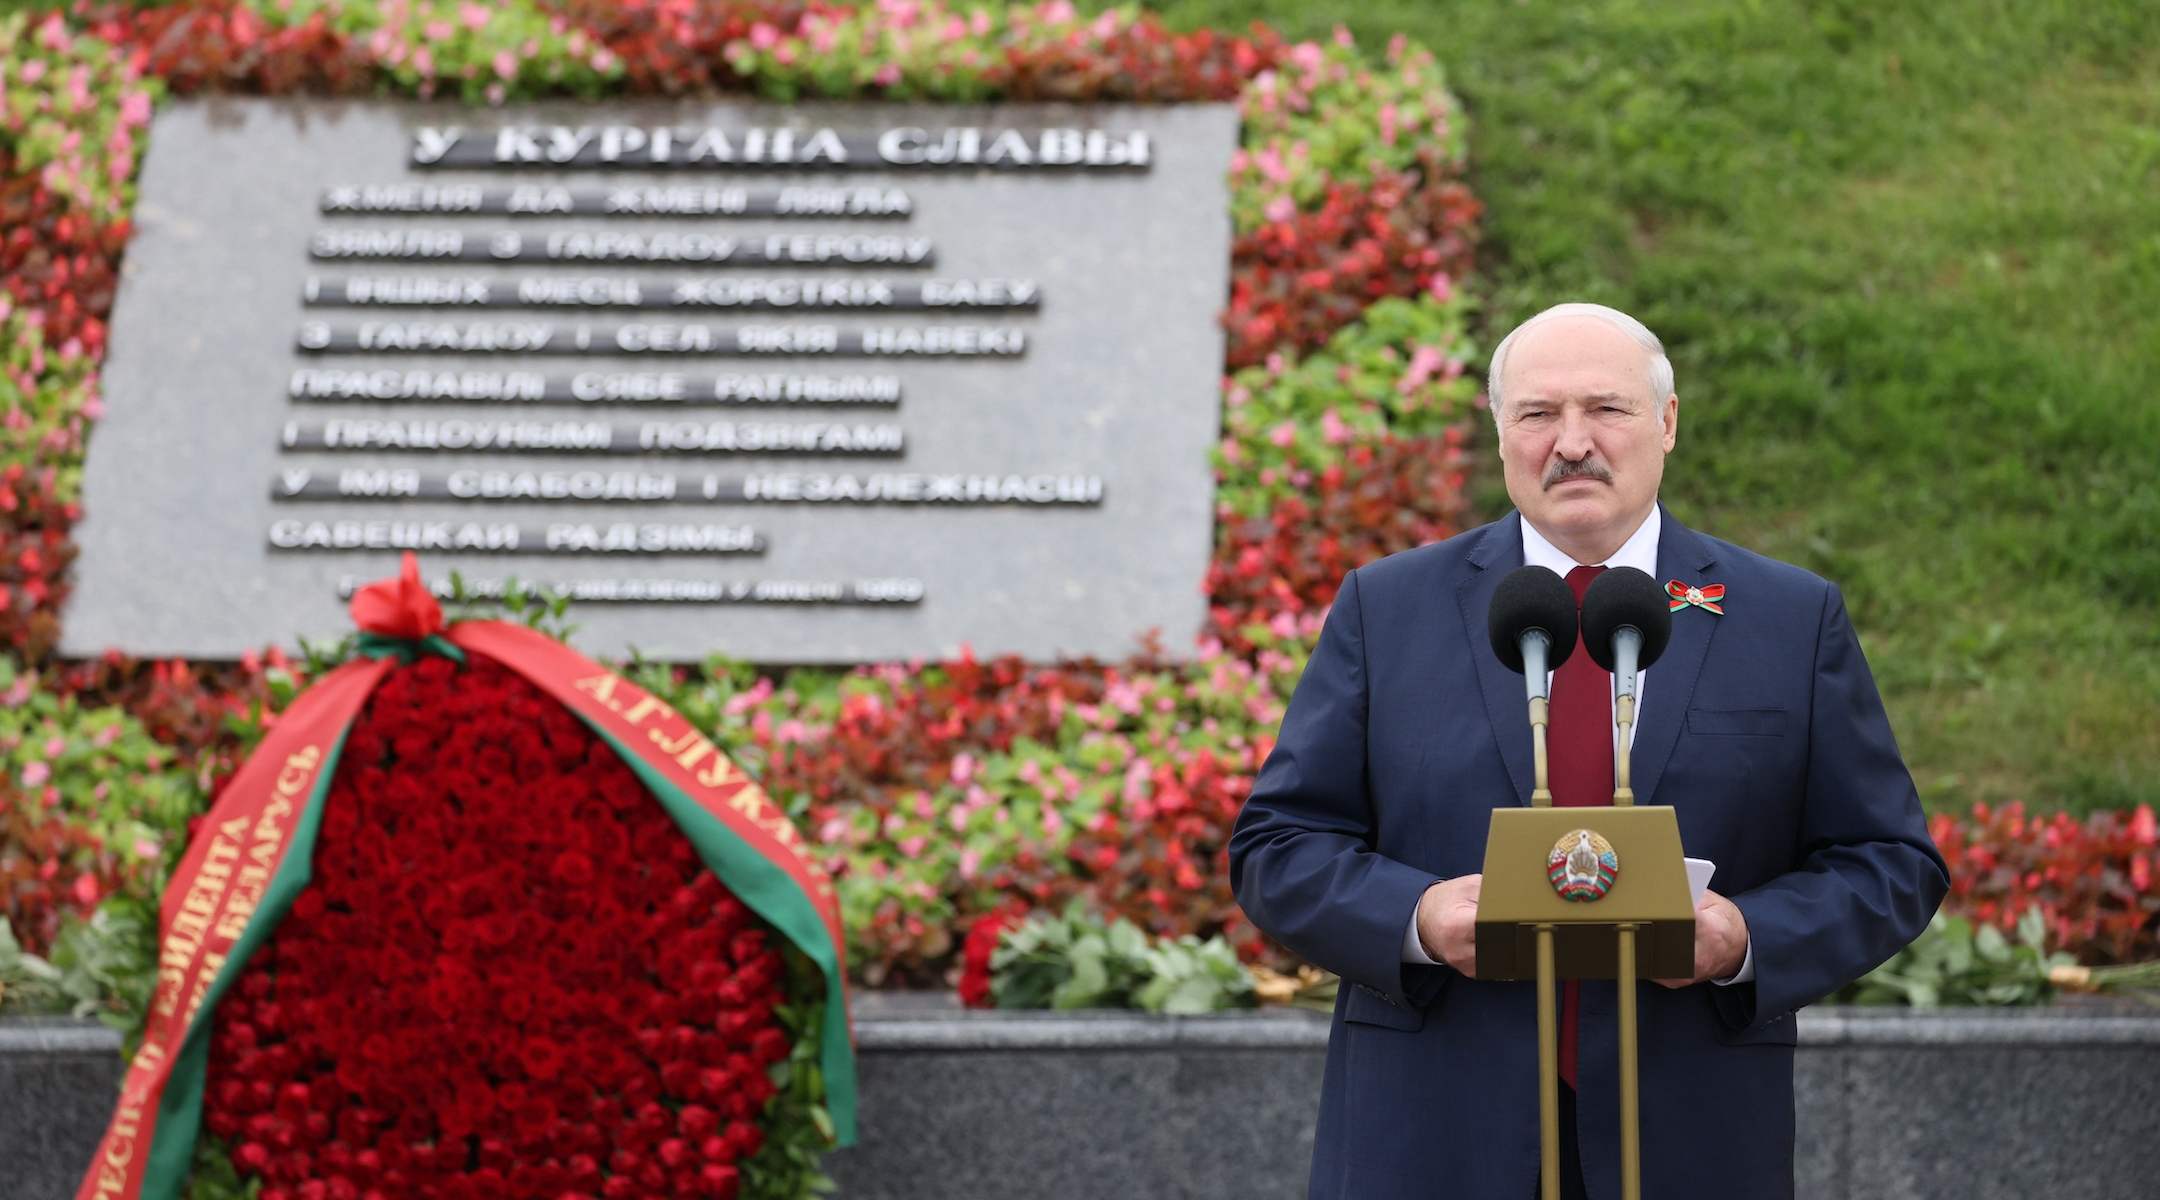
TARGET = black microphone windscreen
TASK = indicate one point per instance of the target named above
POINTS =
(1620, 597)
(1532, 598)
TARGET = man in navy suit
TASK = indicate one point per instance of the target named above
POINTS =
(1361, 845)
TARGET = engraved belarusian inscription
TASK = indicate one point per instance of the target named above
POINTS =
(306, 483)
(680, 591)
(661, 347)
(608, 245)
(606, 291)
(596, 437)
(588, 387)
(715, 147)
(472, 536)
(673, 200)
(697, 339)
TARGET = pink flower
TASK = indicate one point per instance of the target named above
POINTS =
(1281, 208)
(506, 64)
(1284, 435)
(86, 889)
(1332, 429)
(1423, 362)
(35, 773)
(887, 75)
(764, 36)
(963, 768)
(437, 31)
(913, 847)
(135, 108)
(1443, 288)
(475, 16)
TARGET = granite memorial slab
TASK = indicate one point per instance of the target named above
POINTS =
(802, 384)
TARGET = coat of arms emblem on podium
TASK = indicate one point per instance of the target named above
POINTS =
(1582, 866)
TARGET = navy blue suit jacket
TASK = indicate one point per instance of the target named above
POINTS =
(1762, 727)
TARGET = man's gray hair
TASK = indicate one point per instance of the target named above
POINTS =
(1661, 372)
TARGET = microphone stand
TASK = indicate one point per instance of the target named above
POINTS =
(1627, 649)
(1539, 682)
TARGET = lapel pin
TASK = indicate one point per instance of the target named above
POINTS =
(1707, 596)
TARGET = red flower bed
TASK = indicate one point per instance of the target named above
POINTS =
(1296, 281)
(672, 46)
(1387, 497)
(510, 976)
(51, 867)
(2097, 881)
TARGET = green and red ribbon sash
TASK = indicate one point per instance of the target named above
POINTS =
(253, 854)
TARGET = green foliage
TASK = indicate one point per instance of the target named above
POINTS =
(798, 1130)
(1077, 961)
(518, 602)
(108, 964)
(212, 1175)
(1952, 965)
(105, 967)
(100, 769)
(1387, 373)
(1331, 118)
(1191, 976)
(28, 984)
(1907, 260)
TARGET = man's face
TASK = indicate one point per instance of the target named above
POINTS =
(1582, 440)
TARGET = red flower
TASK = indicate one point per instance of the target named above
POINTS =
(982, 942)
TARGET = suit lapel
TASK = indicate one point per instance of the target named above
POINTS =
(1684, 556)
(1497, 553)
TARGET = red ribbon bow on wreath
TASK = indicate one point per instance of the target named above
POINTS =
(400, 618)
(1706, 596)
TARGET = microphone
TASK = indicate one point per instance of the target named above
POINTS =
(1626, 623)
(1532, 623)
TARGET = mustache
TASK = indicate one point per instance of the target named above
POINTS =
(1588, 468)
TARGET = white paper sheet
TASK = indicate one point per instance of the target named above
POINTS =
(1699, 871)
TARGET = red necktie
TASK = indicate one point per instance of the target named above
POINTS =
(1579, 767)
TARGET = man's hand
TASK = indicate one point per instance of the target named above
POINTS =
(1447, 922)
(1721, 940)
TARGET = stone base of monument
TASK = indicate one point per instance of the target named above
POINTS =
(1017, 1106)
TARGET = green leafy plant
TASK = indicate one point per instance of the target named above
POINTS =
(104, 966)
(518, 602)
(1078, 961)
(28, 984)
(1952, 964)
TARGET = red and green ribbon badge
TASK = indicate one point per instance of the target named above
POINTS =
(254, 856)
(1707, 596)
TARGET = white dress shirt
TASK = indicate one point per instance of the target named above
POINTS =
(1639, 552)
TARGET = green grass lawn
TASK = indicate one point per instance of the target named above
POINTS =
(1907, 257)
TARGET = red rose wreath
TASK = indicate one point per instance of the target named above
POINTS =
(512, 966)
